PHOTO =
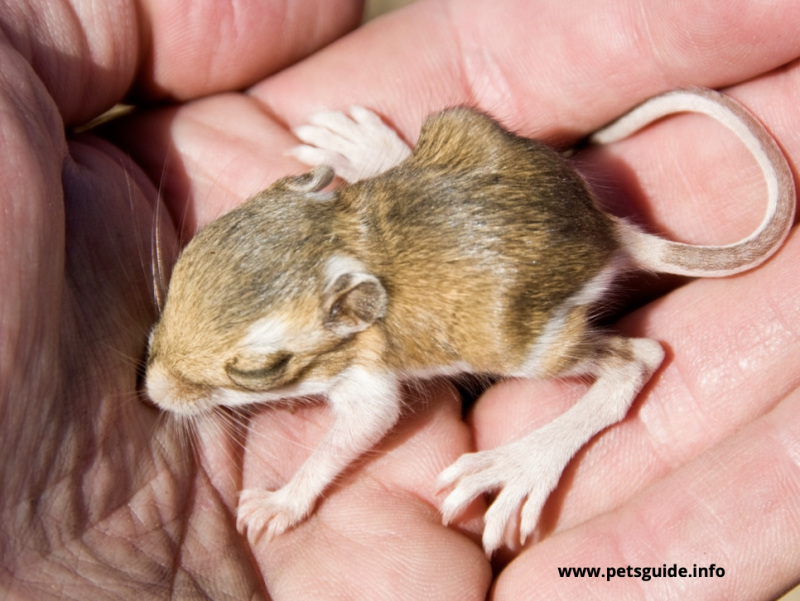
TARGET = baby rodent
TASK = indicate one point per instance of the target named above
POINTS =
(480, 251)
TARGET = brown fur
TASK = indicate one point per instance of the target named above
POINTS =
(480, 252)
(477, 239)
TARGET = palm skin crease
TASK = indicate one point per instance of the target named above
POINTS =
(101, 498)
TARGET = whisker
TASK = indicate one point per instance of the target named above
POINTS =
(159, 274)
(156, 259)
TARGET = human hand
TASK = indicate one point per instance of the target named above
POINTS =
(101, 496)
(121, 506)
(703, 470)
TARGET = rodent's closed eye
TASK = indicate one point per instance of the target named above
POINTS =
(259, 378)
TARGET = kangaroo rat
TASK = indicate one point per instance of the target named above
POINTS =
(480, 251)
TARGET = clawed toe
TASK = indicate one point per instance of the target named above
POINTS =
(357, 146)
(523, 479)
(265, 514)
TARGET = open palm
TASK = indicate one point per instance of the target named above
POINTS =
(102, 498)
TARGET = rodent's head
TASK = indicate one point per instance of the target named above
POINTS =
(264, 303)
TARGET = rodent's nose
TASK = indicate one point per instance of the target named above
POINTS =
(158, 385)
(173, 393)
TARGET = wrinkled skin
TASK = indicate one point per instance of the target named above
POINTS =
(102, 498)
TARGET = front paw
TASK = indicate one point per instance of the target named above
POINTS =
(357, 145)
(268, 513)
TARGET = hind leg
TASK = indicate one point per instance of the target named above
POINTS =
(530, 468)
(357, 146)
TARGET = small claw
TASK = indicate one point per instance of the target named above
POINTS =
(497, 518)
(491, 542)
(311, 155)
(334, 121)
(266, 514)
(458, 470)
(450, 511)
(365, 116)
(445, 480)
(531, 511)
(253, 536)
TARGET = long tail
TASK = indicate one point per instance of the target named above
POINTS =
(653, 253)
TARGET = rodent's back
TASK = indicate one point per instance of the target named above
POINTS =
(478, 238)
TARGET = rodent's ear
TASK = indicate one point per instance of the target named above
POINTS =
(313, 181)
(258, 372)
(354, 302)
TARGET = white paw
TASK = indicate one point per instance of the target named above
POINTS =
(268, 513)
(520, 470)
(357, 146)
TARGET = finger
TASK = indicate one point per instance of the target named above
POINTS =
(84, 53)
(376, 532)
(542, 69)
(208, 156)
(89, 55)
(194, 50)
(31, 270)
(733, 506)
